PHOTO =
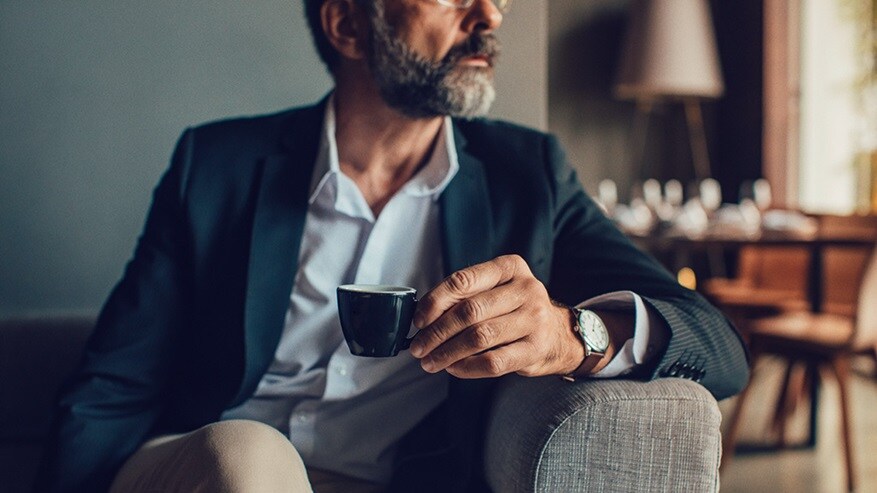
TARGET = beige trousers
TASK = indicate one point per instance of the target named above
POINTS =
(228, 456)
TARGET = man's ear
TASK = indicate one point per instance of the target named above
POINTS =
(346, 27)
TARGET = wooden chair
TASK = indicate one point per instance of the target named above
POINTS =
(769, 280)
(821, 341)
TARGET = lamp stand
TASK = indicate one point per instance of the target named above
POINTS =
(697, 138)
(641, 119)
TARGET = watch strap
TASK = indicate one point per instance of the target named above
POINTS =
(588, 364)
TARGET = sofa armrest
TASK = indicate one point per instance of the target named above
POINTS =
(546, 435)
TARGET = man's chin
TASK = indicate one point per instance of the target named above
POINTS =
(464, 93)
(474, 101)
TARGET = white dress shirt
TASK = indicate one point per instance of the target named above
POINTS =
(342, 412)
(346, 413)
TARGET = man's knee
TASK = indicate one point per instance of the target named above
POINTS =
(240, 455)
(242, 438)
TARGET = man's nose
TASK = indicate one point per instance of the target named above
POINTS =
(483, 16)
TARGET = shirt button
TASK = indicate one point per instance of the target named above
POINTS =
(341, 369)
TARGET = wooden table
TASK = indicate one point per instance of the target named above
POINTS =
(816, 244)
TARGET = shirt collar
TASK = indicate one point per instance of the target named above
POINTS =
(430, 181)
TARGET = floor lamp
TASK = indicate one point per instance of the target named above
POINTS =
(669, 54)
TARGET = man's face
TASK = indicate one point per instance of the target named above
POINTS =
(451, 70)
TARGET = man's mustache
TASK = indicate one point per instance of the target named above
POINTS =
(482, 45)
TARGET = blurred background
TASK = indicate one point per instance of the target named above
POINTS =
(93, 95)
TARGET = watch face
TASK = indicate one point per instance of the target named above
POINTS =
(594, 330)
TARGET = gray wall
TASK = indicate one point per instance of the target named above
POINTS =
(584, 42)
(93, 95)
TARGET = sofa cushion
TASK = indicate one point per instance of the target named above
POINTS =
(36, 355)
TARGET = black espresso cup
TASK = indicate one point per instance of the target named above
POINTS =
(376, 319)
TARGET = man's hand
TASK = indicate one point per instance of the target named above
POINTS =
(495, 318)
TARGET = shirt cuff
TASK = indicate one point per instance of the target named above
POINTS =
(649, 334)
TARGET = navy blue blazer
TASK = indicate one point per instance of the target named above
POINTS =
(192, 326)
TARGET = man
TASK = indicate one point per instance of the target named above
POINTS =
(223, 330)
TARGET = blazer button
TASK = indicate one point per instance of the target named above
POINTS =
(672, 370)
(685, 370)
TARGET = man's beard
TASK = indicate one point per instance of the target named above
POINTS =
(418, 87)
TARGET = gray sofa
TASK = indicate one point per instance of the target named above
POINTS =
(544, 434)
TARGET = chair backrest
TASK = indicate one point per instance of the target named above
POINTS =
(866, 313)
(844, 267)
(850, 274)
(775, 268)
(843, 275)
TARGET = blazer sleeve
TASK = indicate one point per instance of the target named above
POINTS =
(106, 410)
(592, 257)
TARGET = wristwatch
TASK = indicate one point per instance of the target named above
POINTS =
(595, 337)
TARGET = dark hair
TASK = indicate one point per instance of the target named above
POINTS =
(321, 42)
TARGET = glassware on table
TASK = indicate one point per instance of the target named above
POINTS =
(761, 194)
(652, 193)
(673, 193)
(758, 191)
(710, 195)
(607, 195)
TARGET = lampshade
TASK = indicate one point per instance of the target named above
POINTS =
(669, 51)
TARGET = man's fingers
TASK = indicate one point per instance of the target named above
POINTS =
(466, 283)
(473, 340)
(479, 308)
(496, 362)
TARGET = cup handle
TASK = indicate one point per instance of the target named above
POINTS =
(406, 342)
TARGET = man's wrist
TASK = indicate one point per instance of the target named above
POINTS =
(576, 347)
(619, 326)
(592, 339)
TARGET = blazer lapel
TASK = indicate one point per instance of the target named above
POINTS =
(467, 239)
(466, 215)
(278, 224)
(467, 227)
